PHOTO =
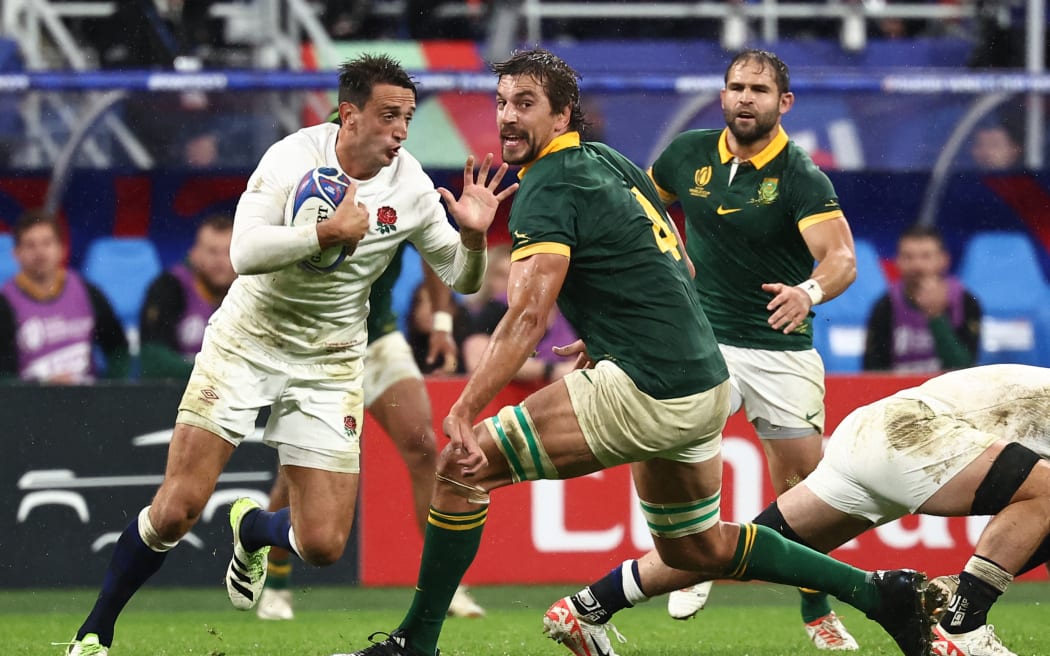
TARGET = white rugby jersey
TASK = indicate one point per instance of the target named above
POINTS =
(1011, 401)
(292, 311)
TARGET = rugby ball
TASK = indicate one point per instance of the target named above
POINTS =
(314, 200)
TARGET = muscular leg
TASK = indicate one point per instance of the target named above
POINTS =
(819, 525)
(1011, 537)
(195, 460)
(456, 522)
(322, 512)
(791, 460)
(403, 410)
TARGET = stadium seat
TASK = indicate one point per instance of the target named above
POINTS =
(840, 327)
(1003, 271)
(411, 276)
(123, 268)
(8, 264)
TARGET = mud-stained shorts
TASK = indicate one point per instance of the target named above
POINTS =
(316, 409)
(623, 424)
(784, 388)
(887, 459)
(388, 360)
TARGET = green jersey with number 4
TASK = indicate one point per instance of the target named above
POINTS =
(627, 292)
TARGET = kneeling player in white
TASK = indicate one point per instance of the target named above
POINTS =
(969, 442)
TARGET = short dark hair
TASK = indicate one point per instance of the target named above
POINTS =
(358, 76)
(766, 58)
(922, 231)
(559, 80)
(32, 218)
(217, 222)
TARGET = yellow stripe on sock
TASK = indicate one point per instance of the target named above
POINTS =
(273, 569)
(457, 521)
(749, 542)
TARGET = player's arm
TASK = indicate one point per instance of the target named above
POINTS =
(533, 287)
(830, 242)
(442, 344)
(461, 263)
(261, 243)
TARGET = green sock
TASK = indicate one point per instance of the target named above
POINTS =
(815, 604)
(278, 573)
(766, 555)
(449, 547)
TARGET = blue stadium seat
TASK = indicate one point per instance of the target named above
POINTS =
(1002, 270)
(411, 276)
(840, 328)
(123, 268)
(8, 264)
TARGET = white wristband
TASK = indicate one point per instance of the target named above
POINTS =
(813, 290)
(442, 322)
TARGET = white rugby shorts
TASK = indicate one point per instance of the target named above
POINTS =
(388, 360)
(887, 459)
(317, 409)
(783, 388)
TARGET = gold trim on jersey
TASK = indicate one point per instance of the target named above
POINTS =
(560, 142)
(551, 247)
(814, 219)
(779, 143)
(667, 197)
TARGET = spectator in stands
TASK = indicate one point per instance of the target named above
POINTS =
(180, 301)
(51, 319)
(927, 321)
(995, 148)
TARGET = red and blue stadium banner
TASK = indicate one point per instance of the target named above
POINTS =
(166, 206)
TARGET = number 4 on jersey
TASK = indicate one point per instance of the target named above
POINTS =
(665, 237)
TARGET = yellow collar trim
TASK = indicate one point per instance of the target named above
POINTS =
(779, 143)
(561, 142)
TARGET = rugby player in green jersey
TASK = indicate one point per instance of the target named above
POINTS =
(652, 390)
(758, 213)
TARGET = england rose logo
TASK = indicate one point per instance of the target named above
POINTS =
(350, 425)
(387, 217)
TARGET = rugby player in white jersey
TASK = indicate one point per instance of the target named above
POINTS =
(294, 340)
(968, 442)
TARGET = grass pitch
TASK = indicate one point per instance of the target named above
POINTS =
(741, 620)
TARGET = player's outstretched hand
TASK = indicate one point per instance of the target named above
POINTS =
(465, 452)
(348, 225)
(476, 206)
